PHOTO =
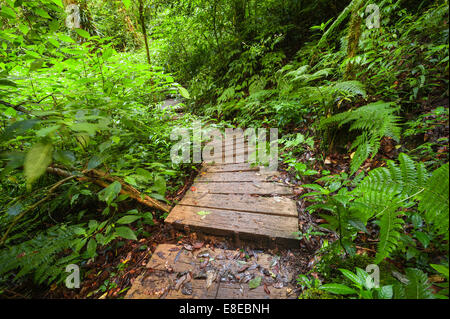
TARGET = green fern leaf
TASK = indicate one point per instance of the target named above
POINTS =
(390, 225)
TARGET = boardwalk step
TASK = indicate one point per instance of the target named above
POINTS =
(281, 206)
(233, 177)
(248, 226)
(256, 188)
(169, 263)
(241, 167)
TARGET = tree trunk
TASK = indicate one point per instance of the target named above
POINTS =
(144, 29)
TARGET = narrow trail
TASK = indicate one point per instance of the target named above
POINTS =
(229, 198)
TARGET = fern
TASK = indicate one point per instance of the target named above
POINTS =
(435, 202)
(418, 286)
(352, 88)
(386, 189)
(39, 256)
(390, 226)
(375, 121)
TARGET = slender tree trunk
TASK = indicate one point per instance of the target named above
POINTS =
(144, 29)
(354, 33)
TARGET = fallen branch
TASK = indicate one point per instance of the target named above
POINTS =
(99, 177)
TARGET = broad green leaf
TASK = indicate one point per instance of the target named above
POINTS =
(443, 270)
(128, 219)
(126, 233)
(423, 238)
(126, 3)
(160, 185)
(38, 158)
(64, 157)
(144, 173)
(47, 130)
(84, 127)
(95, 161)
(79, 230)
(83, 33)
(65, 38)
(54, 42)
(58, 3)
(108, 53)
(36, 64)
(91, 247)
(10, 112)
(184, 93)
(338, 289)
(254, 283)
(110, 193)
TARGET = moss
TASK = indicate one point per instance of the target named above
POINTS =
(314, 293)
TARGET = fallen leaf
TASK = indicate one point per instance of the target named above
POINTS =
(210, 277)
(266, 289)
(198, 245)
(203, 214)
(254, 283)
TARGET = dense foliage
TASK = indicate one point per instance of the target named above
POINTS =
(363, 113)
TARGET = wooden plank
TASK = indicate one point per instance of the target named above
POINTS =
(226, 160)
(281, 206)
(229, 152)
(247, 226)
(228, 142)
(234, 177)
(241, 167)
(257, 188)
(170, 262)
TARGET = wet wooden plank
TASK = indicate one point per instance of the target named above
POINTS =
(281, 206)
(226, 160)
(257, 188)
(241, 167)
(234, 177)
(229, 152)
(228, 142)
(170, 262)
(247, 226)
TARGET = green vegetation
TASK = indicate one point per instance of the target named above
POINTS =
(362, 111)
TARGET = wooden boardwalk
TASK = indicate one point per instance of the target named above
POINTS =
(231, 198)
(234, 200)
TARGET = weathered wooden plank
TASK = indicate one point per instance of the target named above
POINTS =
(257, 188)
(251, 226)
(226, 160)
(281, 206)
(229, 142)
(227, 152)
(241, 167)
(234, 177)
(170, 262)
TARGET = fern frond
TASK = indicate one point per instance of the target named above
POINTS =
(390, 225)
(435, 202)
(418, 286)
(351, 87)
(374, 120)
